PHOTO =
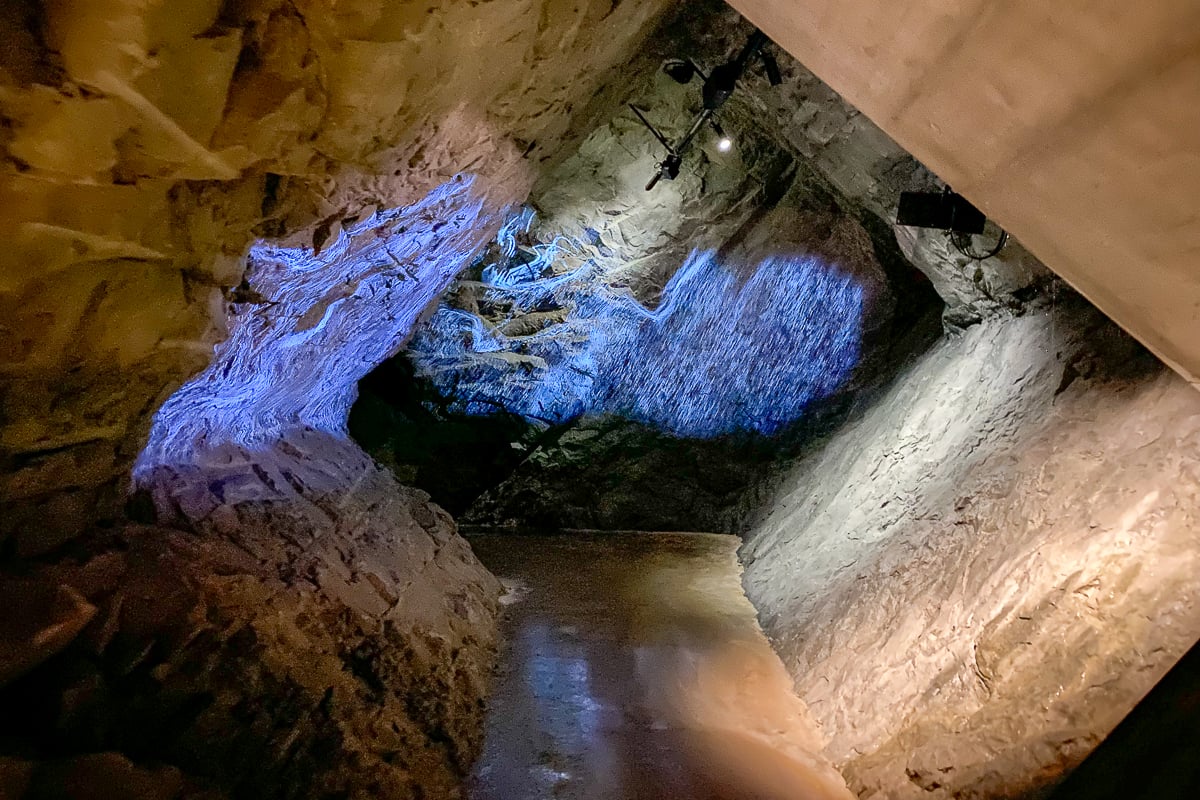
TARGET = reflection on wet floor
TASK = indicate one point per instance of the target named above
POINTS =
(635, 670)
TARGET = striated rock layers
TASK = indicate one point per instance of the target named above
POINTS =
(724, 378)
(979, 576)
(307, 639)
(257, 200)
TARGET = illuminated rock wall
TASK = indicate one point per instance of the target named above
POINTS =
(310, 325)
(254, 201)
(978, 577)
(148, 145)
(749, 350)
(724, 352)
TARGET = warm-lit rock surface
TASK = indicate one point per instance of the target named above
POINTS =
(976, 579)
(316, 629)
(1151, 753)
(634, 669)
(364, 150)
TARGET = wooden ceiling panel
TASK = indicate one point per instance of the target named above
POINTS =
(1075, 124)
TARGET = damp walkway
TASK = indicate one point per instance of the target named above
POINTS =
(634, 669)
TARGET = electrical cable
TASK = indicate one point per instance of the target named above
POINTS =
(957, 240)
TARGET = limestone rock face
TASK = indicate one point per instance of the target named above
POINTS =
(669, 413)
(974, 290)
(311, 628)
(254, 201)
(980, 575)
(147, 145)
(743, 339)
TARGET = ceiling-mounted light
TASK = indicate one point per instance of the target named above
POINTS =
(951, 212)
(724, 143)
(718, 86)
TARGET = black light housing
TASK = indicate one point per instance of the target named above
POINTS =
(681, 70)
(771, 67)
(945, 211)
(719, 85)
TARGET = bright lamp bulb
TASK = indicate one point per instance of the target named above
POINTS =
(725, 144)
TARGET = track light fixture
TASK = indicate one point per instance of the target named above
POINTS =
(718, 86)
(724, 142)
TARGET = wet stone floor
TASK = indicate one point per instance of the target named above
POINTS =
(634, 669)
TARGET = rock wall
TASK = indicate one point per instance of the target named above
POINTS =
(678, 422)
(868, 169)
(292, 635)
(611, 303)
(255, 201)
(979, 576)
(522, 335)
(146, 146)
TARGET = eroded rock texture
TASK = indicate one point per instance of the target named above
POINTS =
(268, 194)
(978, 577)
(147, 145)
(338, 649)
(751, 298)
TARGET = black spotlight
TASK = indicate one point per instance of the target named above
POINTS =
(946, 211)
(718, 86)
(771, 67)
(680, 70)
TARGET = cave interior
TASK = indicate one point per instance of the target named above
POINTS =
(369, 429)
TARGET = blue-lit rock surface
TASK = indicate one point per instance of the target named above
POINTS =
(151, 145)
(658, 411)
(308, 325)
(742, 338)
(731, 348)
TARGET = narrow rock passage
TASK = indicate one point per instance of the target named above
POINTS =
(634, 669)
